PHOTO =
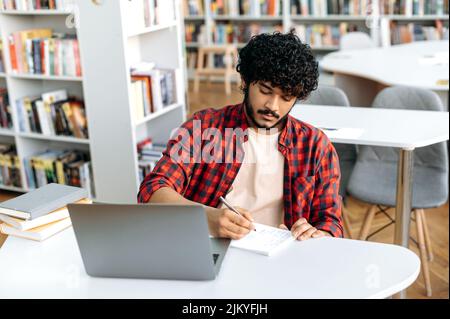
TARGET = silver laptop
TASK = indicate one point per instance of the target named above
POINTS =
(154, 241)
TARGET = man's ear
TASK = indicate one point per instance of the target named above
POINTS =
(243, 84)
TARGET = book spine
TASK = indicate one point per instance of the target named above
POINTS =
(19, 52)
(12, 54)
(77, 57)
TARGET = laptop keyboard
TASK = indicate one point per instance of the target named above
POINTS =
(215, 257)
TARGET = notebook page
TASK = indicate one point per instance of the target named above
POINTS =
(265, 240)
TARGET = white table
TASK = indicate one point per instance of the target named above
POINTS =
(363, 73)
(403, 129)
(318, 268)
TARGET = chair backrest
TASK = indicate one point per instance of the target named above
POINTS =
(356, 40)
(327, 95)
(330, 95)
(403, 97)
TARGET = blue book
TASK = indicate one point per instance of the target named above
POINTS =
(37, 56)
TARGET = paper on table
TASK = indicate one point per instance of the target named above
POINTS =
(343, 132)
(266, 240)
(435, 59)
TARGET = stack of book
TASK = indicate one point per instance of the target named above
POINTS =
(40, 51)
(322, 35)
(416, 32)
(149, 154)
(63, 167)
(254, 8)
(9, 166)
(52, 113)
(193, 8)
(35, 4)
(5, 110)
(42, 213)
(152, 89)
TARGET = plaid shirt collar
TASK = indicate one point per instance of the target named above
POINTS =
(286, 135)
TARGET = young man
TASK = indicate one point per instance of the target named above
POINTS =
(280, 171)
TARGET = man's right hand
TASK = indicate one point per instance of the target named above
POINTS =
(225, 223)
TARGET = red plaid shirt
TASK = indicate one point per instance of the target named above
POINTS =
(311, 173)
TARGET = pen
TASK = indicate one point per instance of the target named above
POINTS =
(230, 207)
(328, 128)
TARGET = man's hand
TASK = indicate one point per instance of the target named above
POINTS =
(225, 223)
(302, 230)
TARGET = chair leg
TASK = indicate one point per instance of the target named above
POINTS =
(367, 222)
(423, 253)
(427, 235)
(346, 222)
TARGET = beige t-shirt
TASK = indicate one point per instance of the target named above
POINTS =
(258, 187)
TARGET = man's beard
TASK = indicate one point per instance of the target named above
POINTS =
(250, 112)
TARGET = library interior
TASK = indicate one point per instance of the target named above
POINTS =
(111, 120)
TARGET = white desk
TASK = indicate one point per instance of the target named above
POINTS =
(318, 268)
(404, 129)
(363, 73)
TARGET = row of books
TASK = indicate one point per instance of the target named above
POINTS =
(27, 5)
(240, 33)
(152, 89)
(53, 113)
(414, 7)
(320, 35)
(327, 7)
(318, 7)
(146, 13)
(193, 8)
(40, 51)
(416, 32)
(316, 35)
(42, 213)
(9, 166)
(254, 8)
(5, 110)
(195, 32)
(66, 167)
(149, 153)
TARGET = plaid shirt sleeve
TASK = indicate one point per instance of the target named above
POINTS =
(169, 172)
(326, 203)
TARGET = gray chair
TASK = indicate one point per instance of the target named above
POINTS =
(374, 176)
(329, 95)
(356, 40)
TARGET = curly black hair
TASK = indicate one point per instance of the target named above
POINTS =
(282, 60)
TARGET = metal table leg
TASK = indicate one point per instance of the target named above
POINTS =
(403, 200)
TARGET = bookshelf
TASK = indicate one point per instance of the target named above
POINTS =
(320, 17)
(107, 51)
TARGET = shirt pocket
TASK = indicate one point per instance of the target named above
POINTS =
(303, 192)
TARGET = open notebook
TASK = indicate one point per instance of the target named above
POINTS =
(266, 240)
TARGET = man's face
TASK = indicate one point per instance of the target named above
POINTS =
(266, 106)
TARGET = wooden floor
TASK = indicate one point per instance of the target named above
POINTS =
(213, 95)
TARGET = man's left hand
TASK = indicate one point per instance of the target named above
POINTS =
(302, 230)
